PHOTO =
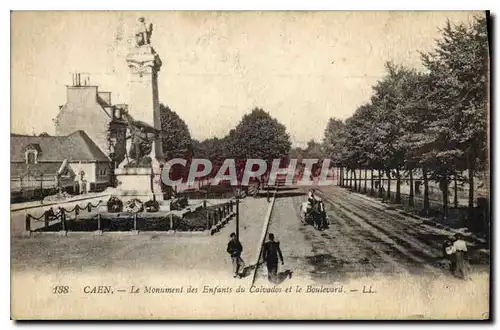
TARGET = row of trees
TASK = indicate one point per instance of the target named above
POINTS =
(257, 135)
(434, 120)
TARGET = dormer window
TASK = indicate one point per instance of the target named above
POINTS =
(31, 156)
(65, 173)
(31, 153)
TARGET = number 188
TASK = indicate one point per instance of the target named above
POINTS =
(60, 289)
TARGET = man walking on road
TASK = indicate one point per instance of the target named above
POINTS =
(234, 248)
(271, 253)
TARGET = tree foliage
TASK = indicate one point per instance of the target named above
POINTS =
(435, 120)
(333, 140)
(258, 135)
(176, 139)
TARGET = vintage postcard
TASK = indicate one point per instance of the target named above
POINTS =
(324, 165)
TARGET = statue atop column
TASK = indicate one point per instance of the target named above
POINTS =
(143, 32)
(139, 174)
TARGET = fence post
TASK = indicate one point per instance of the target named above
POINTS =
(171, 221)
(237, 219)
(41, 185)
(135, 221)
(63, 219)
(89, 207)
(46, 216)
(28, 223)
(98, 221)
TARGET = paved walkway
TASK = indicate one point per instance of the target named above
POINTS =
(191, 256)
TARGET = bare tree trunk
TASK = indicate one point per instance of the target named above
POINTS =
(358, 180)
(350, 179)
(366, 175)
(355, 182)
(398, 186)
(411, 201)
(426, 191)
(380, 183)
(371, 182)
(342, 173)
(471, 189)
(360, 186)
(444, 188)
(388, 185)
(455, 194)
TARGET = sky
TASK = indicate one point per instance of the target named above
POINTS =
(301, 67)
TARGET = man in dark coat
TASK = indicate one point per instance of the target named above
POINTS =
(271, 253)
(234, 248)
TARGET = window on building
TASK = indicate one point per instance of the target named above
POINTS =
(30, 157)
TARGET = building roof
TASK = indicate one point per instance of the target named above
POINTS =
(105, 106)
(77, 146)
(47, 169)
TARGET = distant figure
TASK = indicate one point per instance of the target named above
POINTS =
(311, 198)
(143, 32)
(234, 248)
(460, 248)
(271, 253)
(449, 253)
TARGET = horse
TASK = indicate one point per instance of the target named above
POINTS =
(314, 214)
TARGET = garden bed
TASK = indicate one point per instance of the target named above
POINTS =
(198, 220)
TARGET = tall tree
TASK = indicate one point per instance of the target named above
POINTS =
(357, 143)
(333, 140)
(459, 69)
(417, 116)
(176, 140)
(387, 99)
(333, 143)
(258, 135)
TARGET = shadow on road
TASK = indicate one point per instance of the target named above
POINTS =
(289, 194)
(247, 271)
(282, 276)
(286, 188)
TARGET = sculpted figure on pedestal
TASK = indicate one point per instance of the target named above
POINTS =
(143, 33)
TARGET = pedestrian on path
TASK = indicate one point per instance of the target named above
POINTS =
(271, 253)
(449, 254)
(234, 248)
(461, 265)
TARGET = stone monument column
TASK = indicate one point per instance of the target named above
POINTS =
(144, 64)
(140, 177)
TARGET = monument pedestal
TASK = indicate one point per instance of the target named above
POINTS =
(136, 180)
(140, 183)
